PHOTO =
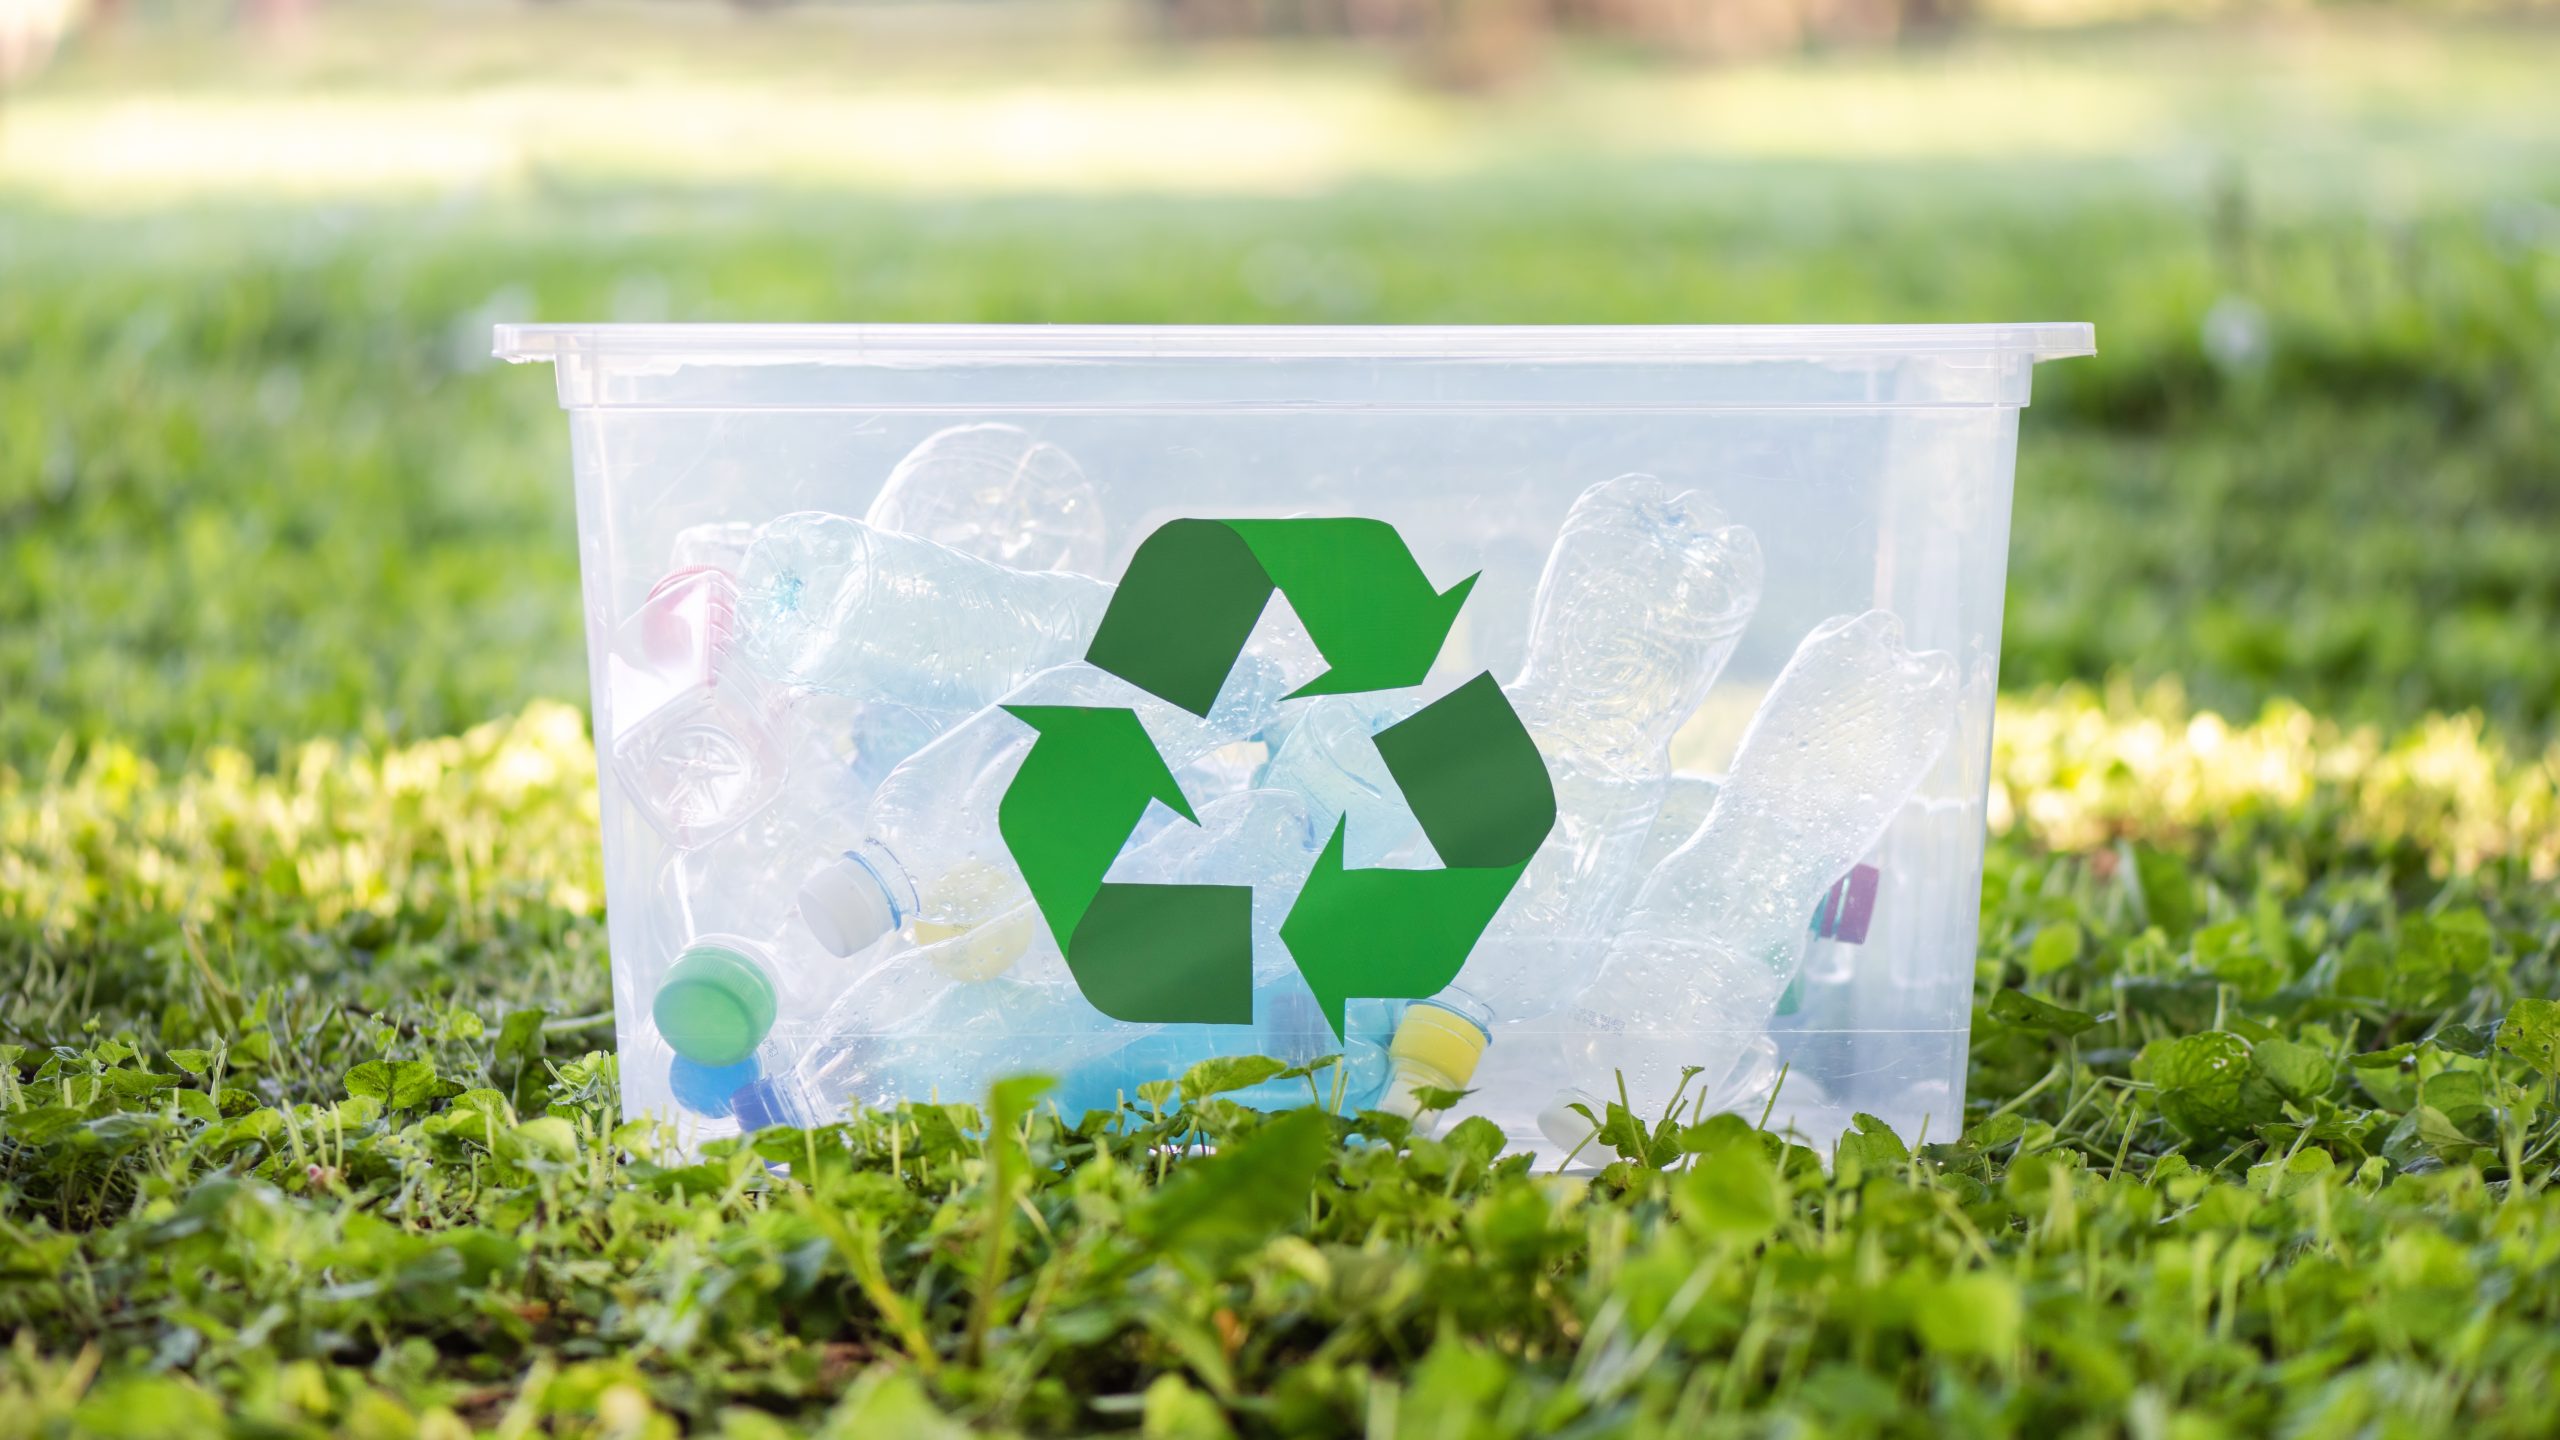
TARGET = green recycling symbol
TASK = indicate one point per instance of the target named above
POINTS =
(1180, 619)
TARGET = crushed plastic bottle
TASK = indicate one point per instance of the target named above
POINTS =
(932, 854)
(1715, 934)
(694, 743)
(830, 603)
(997, 492)
(953, 1014)
(1644, 596)
(1267, 840)
(1687, 801)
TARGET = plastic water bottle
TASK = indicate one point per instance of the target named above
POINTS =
(1331, 758)
(740, 962)
(1644, 595)
(983, 1000)
(1267, 840)
(973, 1034)
(1687, 801)
(692, 738)
(1712, 939)
(932, 856)
(1288, 1026)
(999, 493)
(830, 603)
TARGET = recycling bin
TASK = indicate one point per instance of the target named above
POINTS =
(1472, 721)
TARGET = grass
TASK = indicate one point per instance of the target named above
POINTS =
(308, 1118)
(262, 482)
(309, 1124)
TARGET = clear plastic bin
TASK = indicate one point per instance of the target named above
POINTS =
(1870, 464)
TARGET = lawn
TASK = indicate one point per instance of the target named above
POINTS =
(309, 1117)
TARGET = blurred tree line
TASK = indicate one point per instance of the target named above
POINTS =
(1461, 43)
(1482, 41)
(1477, 42)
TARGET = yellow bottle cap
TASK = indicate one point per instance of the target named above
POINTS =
(1434, 1037)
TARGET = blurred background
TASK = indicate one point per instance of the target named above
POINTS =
(260, 482)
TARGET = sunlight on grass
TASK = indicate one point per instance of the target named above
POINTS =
(2075, 771)
(502, 818)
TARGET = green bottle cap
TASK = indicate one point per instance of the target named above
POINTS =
(715, 1005)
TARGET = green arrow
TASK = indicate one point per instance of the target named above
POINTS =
(1184, 609)
(1473, 777)
(1167, 954)
(1362, 596)
(1388, 934)
(1072, 805)
(1195, 589)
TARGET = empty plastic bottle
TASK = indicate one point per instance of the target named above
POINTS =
(1687, 800)
(987, 999)
(1644, 596)
(1715, 934)
(1266, 840)
(691, 737)
(1288, 1026)
(830, 603)
(1645, 593)
(933, 856)
(999, 493)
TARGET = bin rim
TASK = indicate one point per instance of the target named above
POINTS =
(964, 344)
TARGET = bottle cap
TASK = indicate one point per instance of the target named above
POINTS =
(847, 907)
(715, 1005)
(1437, 1038)
(1435, 1046)
(1564, 1126)
(706, 1089)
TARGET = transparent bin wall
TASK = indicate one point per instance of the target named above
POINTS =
(1901, 507)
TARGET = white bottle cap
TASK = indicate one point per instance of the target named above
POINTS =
(1564, 1126)
(847, 907)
